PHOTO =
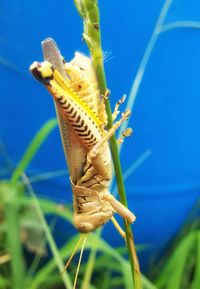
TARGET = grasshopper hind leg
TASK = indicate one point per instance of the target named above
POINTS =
(123, 211)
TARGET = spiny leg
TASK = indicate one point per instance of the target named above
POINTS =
(119, 229)
(95, 154)
(102, 108)
(106, 94)
(116, 110)
(95, 150)
(125, 133)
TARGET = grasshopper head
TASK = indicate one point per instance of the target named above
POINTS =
(42, 71)
(85, 227)
(86, 223)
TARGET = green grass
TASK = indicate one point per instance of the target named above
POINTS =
(23, 212)
(179, 267)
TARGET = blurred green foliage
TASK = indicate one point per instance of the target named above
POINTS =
(23, 228)
(179, 267)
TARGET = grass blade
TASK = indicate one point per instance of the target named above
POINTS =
(89, 269)
(13, 238)
(173, 272)
(50, 240)
(196, 281)
(32, 149)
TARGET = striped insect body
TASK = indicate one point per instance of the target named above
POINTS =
(82, 122)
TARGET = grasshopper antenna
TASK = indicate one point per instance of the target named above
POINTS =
(73, 253)
(79, 262)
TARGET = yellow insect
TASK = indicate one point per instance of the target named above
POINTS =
(82, 122)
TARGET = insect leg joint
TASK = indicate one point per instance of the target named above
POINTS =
(123, 211)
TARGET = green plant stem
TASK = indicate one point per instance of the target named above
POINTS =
(89, 11)
(99, 68)
(145, 59)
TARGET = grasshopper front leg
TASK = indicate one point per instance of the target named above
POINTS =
(116, 110)
(95, 154)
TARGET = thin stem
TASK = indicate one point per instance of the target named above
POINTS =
(90, 13)
(99, 67)
(145, 60)
(179, 24)
(48, 175)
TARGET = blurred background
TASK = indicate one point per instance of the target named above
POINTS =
(151, 55)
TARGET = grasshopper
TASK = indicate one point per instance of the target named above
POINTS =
(82, 122)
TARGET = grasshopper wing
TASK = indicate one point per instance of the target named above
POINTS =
(73, 148)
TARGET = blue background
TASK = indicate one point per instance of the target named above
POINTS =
(165, 117)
